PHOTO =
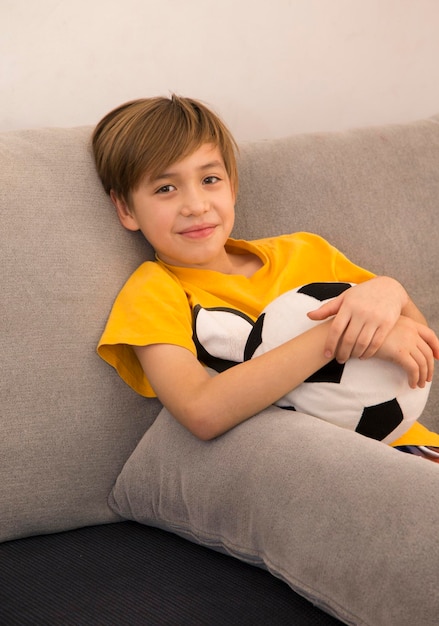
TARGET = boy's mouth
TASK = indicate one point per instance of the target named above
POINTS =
(198, 231)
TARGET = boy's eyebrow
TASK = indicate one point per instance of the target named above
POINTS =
(202, 168)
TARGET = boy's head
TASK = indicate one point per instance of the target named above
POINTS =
(143, 137)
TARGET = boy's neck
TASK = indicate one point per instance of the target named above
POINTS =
(243, 264)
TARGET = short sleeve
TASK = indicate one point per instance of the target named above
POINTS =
(151, 308)
(346, 271)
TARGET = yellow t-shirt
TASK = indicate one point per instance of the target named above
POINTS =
(158, 303)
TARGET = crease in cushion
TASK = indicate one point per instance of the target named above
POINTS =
(333, 514)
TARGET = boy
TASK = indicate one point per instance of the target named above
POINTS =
(169, 167)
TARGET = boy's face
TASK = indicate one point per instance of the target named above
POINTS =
(187, 212)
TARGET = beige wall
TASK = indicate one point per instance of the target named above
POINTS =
(270, 67)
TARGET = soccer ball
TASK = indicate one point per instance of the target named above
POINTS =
(369, 396)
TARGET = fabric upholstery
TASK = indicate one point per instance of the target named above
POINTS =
(346, 521)
(68, 423)
(126, 574)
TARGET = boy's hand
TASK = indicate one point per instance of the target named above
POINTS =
(414, 347)
(364, 316)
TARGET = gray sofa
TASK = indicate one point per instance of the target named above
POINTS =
(323, 513)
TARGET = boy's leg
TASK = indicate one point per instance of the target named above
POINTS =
(426, 452)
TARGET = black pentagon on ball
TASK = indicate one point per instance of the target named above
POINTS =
(329, 373)
(323, 291)
(379, 420)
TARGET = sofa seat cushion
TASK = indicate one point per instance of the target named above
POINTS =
(125, 573)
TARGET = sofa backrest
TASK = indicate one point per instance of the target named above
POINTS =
(68, 422)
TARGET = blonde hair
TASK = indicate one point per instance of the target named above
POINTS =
(143, 137)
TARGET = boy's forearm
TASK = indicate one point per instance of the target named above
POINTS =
(412, 311)
(242, 391)
(210, 406)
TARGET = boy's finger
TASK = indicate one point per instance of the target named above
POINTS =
(412, 370)
(376, 338)
(429, 361)
(326, 310)
(423, 368)
(331, 343)
(335, 337)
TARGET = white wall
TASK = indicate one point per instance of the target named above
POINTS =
(269, 67)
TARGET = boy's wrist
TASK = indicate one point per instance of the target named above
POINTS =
(395, 286)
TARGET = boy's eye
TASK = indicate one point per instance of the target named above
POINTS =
(210, 180)
(166, 189)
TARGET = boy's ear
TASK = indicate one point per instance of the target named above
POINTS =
(126, 216)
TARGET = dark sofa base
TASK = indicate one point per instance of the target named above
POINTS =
(126, 573)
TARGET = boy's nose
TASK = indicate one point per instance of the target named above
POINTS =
(194, 204)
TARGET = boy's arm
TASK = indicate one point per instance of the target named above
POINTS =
(364, 316)
(412, 311)
(411, 342)
(209, 406)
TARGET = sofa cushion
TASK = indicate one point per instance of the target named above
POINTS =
(346, 521)
(127, 574)
(67, 425)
